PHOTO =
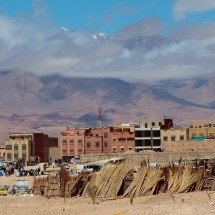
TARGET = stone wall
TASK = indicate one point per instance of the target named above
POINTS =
(206, 145)
(153, 157)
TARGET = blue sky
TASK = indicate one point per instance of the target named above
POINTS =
(105, 15)
(96, 15)
(30, 39)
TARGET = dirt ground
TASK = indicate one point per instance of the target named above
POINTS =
(197, 203)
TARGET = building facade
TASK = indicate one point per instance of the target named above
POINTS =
(203, 129)
(148, 133)
(122, 138)
(2, 152)
(97, 141)
(173, 135)
(72, 142)
(25, 145)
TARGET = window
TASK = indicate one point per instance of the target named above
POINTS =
(146, 125)
(205, 125)
(165, 138)
(130, 148)
(79, 141)
(71, 142)
(181, 137)
(173, 138)
(8, 147)
(97, 144)
(114, 149)
(24, 156)
(160, 123)
(211, 134)
(105, 144)
(122, 140)
(71, 151)
(201, 134)
(105, 135)
(64, 142)
(193, 134)
(97, 135)
(64, 152)
(16, 147)
(9, 156)
(16, 156)
(122, 149)
(88, 144)
(80, 151)
(114, 140)
(153, 124)
(24, 147)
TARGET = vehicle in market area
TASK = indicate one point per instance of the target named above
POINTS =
(75, 160)
(20, 187)
(4, 190)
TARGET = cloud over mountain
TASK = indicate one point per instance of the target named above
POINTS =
(137, 51)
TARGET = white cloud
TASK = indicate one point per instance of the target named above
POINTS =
(184, 7)
(30, 47)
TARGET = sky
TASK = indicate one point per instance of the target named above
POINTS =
(59, 37)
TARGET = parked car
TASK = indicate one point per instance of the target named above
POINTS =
(75, 160)
(4, 190)
(20, 187)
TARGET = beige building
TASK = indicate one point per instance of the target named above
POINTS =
(2, 152)
(173, 135)
(202, 129)
(18, 146)
(25, 145)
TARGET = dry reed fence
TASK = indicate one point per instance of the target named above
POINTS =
(109, 182)
(53, 186)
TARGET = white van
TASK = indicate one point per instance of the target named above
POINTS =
(83, 167)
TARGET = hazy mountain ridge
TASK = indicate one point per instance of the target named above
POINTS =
(32, 102)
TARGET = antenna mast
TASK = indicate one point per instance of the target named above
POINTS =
(99, 123)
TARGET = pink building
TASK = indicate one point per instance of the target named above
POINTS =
(77, 141)
(97, 140)
(72, 142)
(122, 138)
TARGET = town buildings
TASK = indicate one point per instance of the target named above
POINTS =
(25, 145)
(203, 129)
(149, 134)
(71, 142)
(122, 138)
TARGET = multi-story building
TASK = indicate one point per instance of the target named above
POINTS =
(122, 138)
(97, 140)
(72, 142)
(173, 135)
(148, 133)
(2, 152)
(25, 145)
(204, 129)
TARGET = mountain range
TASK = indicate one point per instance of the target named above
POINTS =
(51, 103)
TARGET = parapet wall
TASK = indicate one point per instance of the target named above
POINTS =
(206, 145)
(154, 157)
(187, 150)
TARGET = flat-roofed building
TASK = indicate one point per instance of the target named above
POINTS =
(97, 141)
(25, 145)
(148, 133)
(173, 135)
(204, 129)
(122, 138)
(71, 142)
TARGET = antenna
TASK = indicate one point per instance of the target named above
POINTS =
(25, 87)
(99, 123)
